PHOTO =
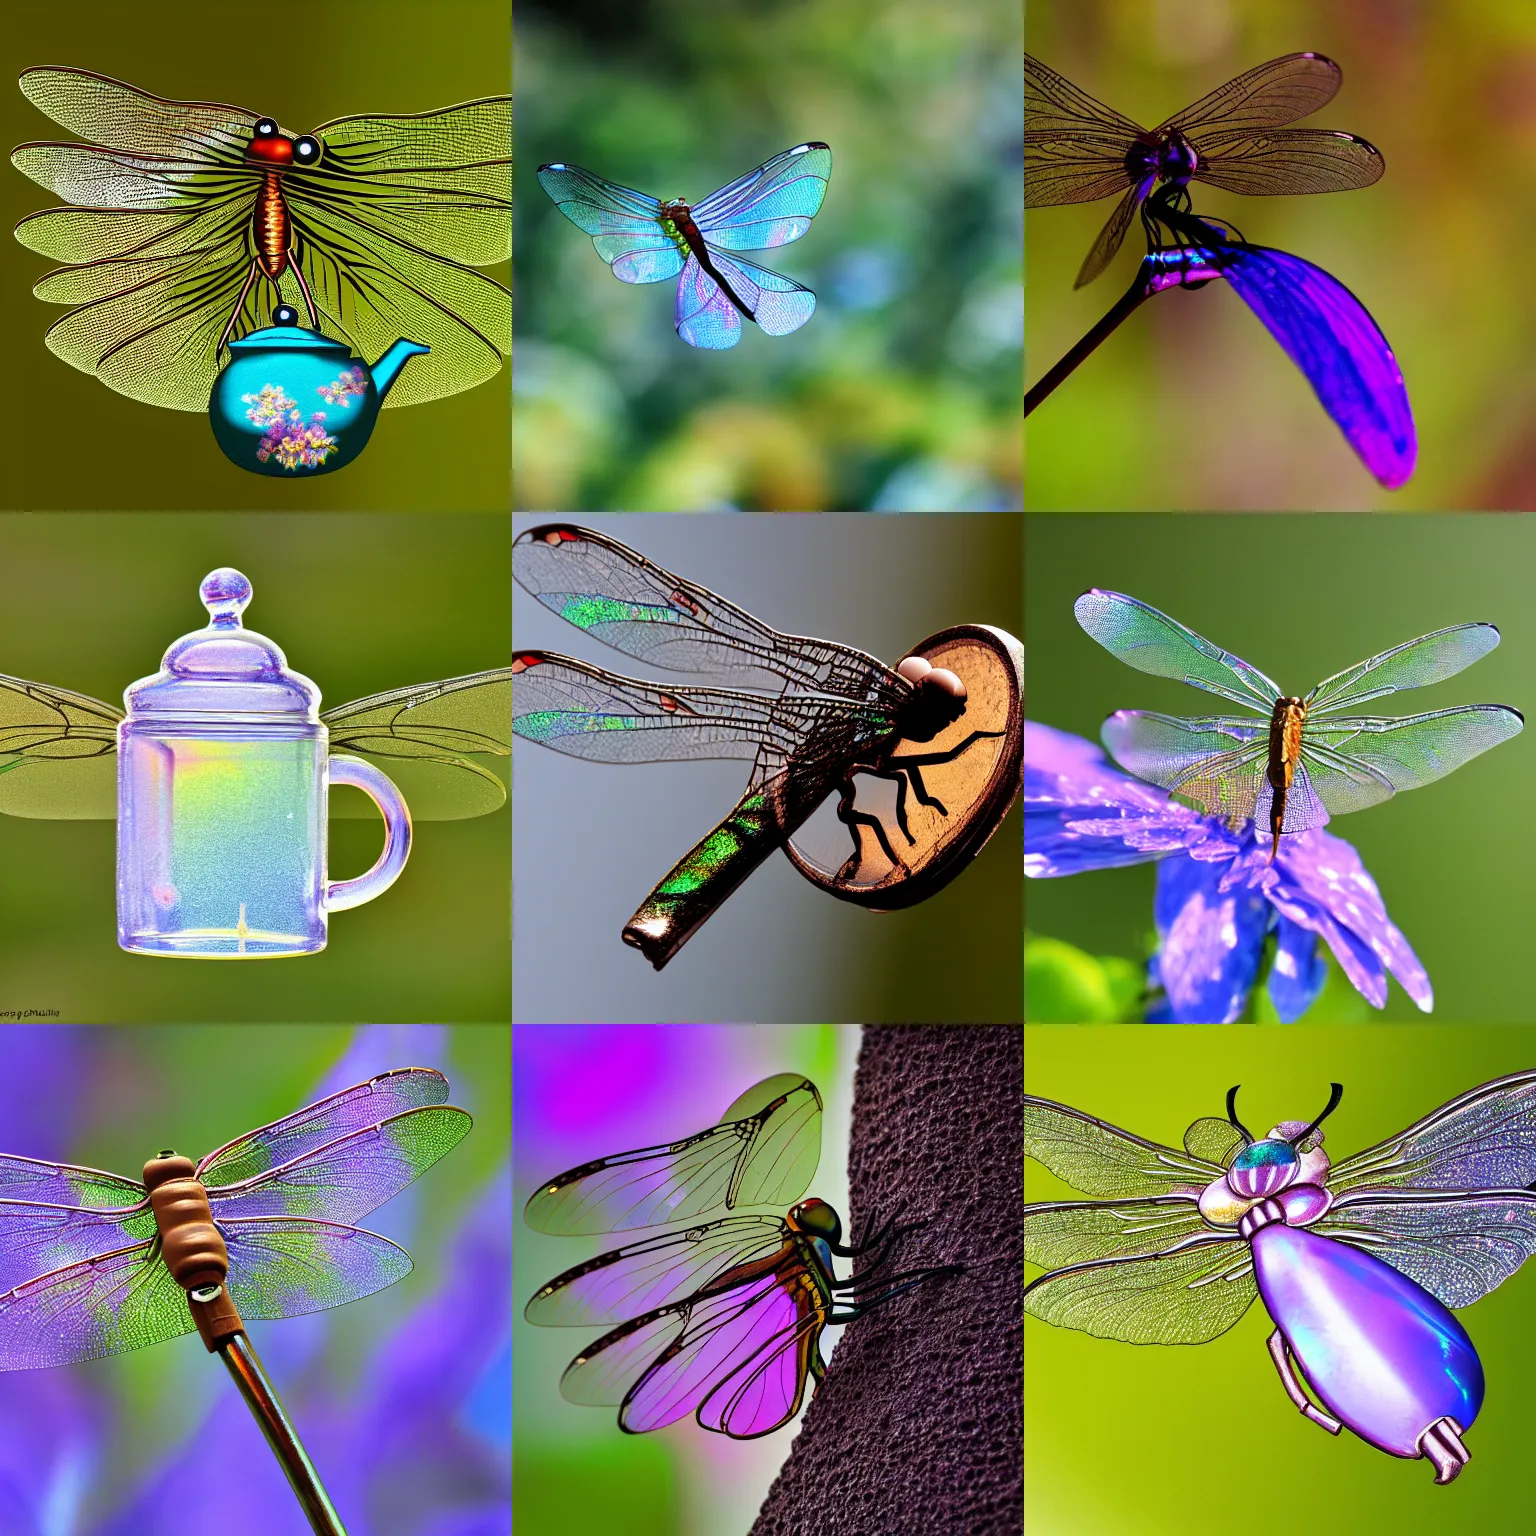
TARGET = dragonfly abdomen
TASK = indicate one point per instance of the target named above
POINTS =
(677, 220)
(190, 1244)
(272, 225)
(1285, 725)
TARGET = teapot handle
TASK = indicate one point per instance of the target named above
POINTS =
(341, 894)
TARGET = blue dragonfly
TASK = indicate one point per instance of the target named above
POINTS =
(647, 241)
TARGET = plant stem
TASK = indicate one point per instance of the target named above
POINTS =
(1139, 291)
(240, 1358)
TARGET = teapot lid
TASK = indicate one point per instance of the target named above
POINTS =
(287, 338)
(224, 669)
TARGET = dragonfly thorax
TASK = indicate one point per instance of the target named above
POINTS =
(1171, 159)
(1286, 1164)
(937, 699)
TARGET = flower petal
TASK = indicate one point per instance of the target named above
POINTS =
(1298, 972)
(1210, 942)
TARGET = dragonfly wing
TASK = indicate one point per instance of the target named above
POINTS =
(1060, 1233)
(769, 206)
(38, 1238)
(286, 1267)
(1215, 761)
(353, 1175)
(1152, 642)
(1458, 1245)
(1074, 146)
(27, 1178)
(778, 304)
(1268, 96)
(318, 1125)
(763, 1152)
(625, 226)
(419, 733)
(1414, 664)
(645, 1276)
(1110, 237)
(584, 711)
(1189, 1295)
(703, 314)
(1330, 336)
(616, 595)
(107, 1305)
(1351, 757)
(1101, 1159)
(1287, 161)
(1482, 1139)
(58, 752)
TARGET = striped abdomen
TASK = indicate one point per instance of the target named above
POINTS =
(272, 226)
(1285, 725)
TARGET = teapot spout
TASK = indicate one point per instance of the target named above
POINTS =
(387, 370)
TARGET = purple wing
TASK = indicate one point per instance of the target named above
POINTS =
(316, 1125)
(285, 1268)
(642, 1277)
(706, 317)
(1330, 336)
(36, 1239)
(27, 1178)
(769, 206)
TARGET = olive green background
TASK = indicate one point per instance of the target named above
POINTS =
(360, 604)
(1191, 403)
(1201, 1440)
(72, 442)
(1302, 598)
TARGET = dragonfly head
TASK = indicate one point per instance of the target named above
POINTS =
(815, 1218)
(936, 702)
(270, 146)
(1291, 1154)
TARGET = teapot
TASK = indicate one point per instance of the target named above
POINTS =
(294, 403)
(223, 773)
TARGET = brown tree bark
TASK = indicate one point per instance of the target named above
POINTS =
(918, 1428)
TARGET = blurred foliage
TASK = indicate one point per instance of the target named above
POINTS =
(1066, 985)
(903, 391)
(1191, 404)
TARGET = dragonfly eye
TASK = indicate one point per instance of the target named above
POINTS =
(306, 151)
(1262, 1170)
(265, 129)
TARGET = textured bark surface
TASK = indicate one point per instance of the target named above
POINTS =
(918, 1428)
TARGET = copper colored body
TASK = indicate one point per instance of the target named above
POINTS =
(273, 228)
(1285, 725)
(190, 1244)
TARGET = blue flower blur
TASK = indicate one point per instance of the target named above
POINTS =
(1217, 899)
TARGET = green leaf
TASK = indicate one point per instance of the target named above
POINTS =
(1065, 985)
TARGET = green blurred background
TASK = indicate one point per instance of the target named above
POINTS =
(1191, 403)
(902, 392)
(360, 604)
(1195, 1441)
(75, 443)
(1302, 599)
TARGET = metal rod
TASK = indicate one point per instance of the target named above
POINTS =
(1133, 297)
(260, 1397)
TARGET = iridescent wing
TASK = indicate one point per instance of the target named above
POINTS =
(319, 1124)
(1457, 1244)
(1074, 146)
(1188, 1295)
(350, 1176)
(625, 226)
(763, 1152)
(738, 1359)
(388, 227)
(1101, 1159)
(58, 752)
(1286, 162)
(1061, 1233)
(37, 1238)
(613, 593)
(769, 206)
(422, 735)
(1152, 642)
(641, 1277)
(706, 317)
(1415, 664)
(1216, 761)
(282, 1267)
(1270, 95)
(112, 1303)
(1482, 1139)
(29, 1178)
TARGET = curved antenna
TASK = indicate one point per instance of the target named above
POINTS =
(1237, 1124)
(1333, 1104)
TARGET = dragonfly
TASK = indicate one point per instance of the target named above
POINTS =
(1077, 150)
(1356, 1262)
(196, 222)
(94, 1263)
(1302, 761)
(647, 241)
(837, 713)
(723, 1320)
(58, 749)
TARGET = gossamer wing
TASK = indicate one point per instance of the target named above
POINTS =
(1357, 1263)
(1301, 761)
(724, 1320)
(647, 241)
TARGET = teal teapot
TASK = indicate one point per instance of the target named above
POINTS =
(294, 403)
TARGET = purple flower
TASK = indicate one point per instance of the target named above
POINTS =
(1218, 898)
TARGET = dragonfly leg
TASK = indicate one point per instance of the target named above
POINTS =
(853, 819)
(1281, 1355)
(234, 314)
(848, 1308)
(884, 1235)
(309, 303)
(1442, 1444)
(913, 765)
